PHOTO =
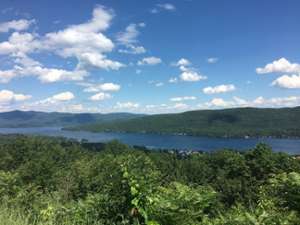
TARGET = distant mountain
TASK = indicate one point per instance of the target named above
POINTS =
(37, 119)
(237, 122)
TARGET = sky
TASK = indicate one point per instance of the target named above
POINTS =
(150, 56)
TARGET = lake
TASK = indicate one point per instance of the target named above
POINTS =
(291, 146)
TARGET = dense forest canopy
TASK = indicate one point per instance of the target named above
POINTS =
(59, 181)
(237, 122)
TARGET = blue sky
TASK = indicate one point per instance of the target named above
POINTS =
(148, 56)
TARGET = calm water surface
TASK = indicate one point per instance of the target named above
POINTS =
(291, 146)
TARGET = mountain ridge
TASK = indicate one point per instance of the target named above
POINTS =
(234, 122)
(18, 118)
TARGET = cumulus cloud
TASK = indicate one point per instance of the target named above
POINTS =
(183, 62)
(85, 42)
(64, 96)
(58, 102)
(49, 75)
(97, 60)
(19, 44)
(184, 98)
(219, 102)
(131, 49)
(16, 25)
(55, 99)
(102, 87)
(290, 101)
(126, 105)
(212, 60)
(287, 81)
(100, 96)
(188, 74)
(279, 66)
(191, 76)
(7, 75)
(8, 97)
(163, 7)
(150, 61)
(45, 75)
(219, 89)
(128, 38)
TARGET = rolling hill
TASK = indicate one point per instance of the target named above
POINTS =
(237, 122)
(38, 119)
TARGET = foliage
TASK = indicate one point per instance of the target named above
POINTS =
(57, 181)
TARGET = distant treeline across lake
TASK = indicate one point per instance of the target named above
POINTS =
(157, 141)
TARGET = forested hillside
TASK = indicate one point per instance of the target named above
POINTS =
(238, 122)
(61, 182)
(39, 119)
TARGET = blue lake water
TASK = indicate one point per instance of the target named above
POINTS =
(291, 146)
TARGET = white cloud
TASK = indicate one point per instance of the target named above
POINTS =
(86, 41)
(212, 60)
(239, 101)
(102, 87)
(280, 66)
(219, 102)
(287, 81)
(97, 60)
(126, 105)
(290, 101)
(165, 7)
(188, 73)
(64, 96)
(150, 61)
(49, 75)
(173, 80)
(45, 75)
(183, 62)
(184, 98)
(131, 49)
(100, 96)
(129, 37)
(7, 75)
(17, 25)
(191, 76)
(8, 97)
(54, 100)
(219, 89)
(259, 100)
(19, 44)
